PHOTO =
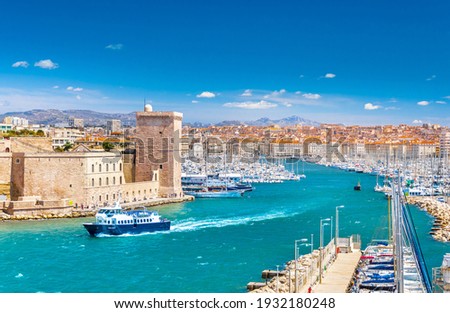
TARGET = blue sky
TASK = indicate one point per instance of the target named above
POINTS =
(352, 62)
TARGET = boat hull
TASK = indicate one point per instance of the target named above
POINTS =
(95, 229)
(214, 194)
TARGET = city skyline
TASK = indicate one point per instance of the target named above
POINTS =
(352, 62)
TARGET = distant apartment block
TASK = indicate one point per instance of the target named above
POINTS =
(76, 122)
(113, 126)
(60, 136)
(16, 121)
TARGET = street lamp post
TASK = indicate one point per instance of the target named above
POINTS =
(336, 236)
(277, 278)
(321, 246)
(296, 256)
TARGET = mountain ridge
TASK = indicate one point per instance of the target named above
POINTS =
(94, 118)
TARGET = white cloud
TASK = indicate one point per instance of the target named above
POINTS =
(298, 92)
(287, 104)
(311, 96)
(278, 92)
(76, 89)
(370, 106)
(417, 122)
(206, 94)
(78, 97)
(247, 93)
(330, 75)
(194, 101)
(56, 87)
(431, 77)
(21, 64)
(441, 102)
(46, 64)
(117, 46)
(423, 103)
(251, 105)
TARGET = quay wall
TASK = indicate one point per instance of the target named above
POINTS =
(5, 168)
(307, 274)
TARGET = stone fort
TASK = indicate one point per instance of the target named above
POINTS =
(41, 179)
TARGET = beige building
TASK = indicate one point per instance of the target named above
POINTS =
(45, 179)
(86, 179)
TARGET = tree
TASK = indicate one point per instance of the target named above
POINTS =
(107, 146)
(67, 146)
(40, 133)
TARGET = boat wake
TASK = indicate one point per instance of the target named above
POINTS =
(191, 224)
(194, 225)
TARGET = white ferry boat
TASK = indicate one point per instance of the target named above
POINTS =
(116, 221)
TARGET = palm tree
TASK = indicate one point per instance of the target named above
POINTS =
(67, 146)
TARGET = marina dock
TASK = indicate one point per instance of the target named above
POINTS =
(339, 274)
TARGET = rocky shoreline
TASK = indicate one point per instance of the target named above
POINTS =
(286, 277)
(440, 211)
(46, 216)
(77, 213)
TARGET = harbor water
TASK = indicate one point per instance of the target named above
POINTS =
(215, 245)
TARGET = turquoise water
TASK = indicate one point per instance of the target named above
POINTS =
(215, 245)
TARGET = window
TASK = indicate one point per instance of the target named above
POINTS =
(120, 180)
(114, 167)
(114, 180)
(99, 181)
(99, 167)
(92, 184)
(93, 170)
(160, 166)
(107, 167)
(120, 166)
(107, 181)
(100, 198)
(107, 197)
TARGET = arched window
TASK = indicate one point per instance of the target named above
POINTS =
(120, 180)
(107, 167)
(107, 181)
(99, 167)
(100, 198)
(93, 182)
(114, 180)
(120, 166)
(99, 181)
(93, 170)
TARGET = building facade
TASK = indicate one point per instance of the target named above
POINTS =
(158, 150)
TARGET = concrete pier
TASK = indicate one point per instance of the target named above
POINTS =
(339, 273)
